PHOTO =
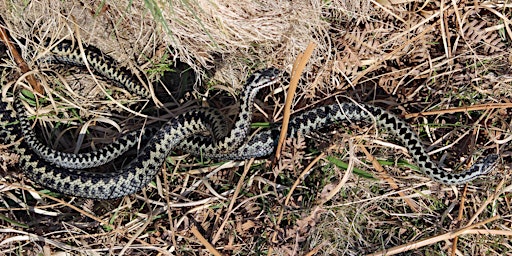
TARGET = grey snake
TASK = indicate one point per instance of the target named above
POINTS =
(41, 163)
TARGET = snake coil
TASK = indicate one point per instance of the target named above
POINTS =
(46, 166)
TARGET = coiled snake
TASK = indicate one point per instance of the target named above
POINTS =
(41, 164)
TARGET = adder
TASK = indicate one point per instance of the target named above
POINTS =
(41, 164)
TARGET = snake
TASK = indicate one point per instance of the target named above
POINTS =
(181, 132)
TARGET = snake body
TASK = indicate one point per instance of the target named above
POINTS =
(263, 144)
(181, 132)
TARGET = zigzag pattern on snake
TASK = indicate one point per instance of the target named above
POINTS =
(181, 131)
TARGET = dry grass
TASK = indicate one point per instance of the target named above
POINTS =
(410, 57)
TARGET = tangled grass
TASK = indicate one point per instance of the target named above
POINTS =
(445, 66)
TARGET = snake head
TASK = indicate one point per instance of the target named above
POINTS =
(488, 163)
(262, 78)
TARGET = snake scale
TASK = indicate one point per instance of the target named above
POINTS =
(41, 164)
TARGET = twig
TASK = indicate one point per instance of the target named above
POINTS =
(461, 109)
(298, 67)
(205, 242)
(233, 200)
(4, 36)
(294, 186)
(432, 240)
(388, 179)
(459, 218)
